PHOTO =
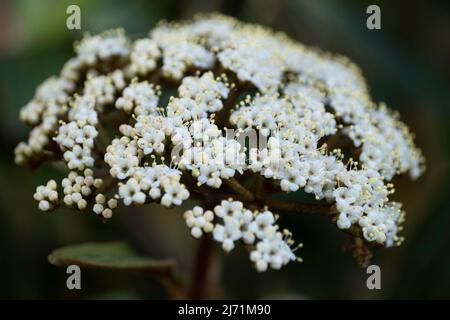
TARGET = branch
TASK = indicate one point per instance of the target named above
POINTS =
(241, 191)
(360, 251)
(260, 185)
(300, 207)
(224, 114)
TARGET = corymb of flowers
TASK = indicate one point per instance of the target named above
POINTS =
(226, 115)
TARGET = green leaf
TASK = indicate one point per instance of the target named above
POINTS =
(111, 255)
(118, 255)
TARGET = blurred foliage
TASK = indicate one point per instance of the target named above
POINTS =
(407, 66)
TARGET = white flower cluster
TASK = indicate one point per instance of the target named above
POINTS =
(103, 52)
(294, 157)
(77, 188)
(198, 96)
(199, 221)
(47, 196)
(233, 81)
(231, 222)
(214, 157)
(144, 56)
(77, 137)
(103, 206)
(43, 113)
(155, 182)
(253, 60)
(77, 191)
(138, 98)
(206, 91)
(105, 47)
(179, 53)
(101, 88)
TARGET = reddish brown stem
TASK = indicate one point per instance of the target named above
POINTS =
(201, 278)
(240, 190)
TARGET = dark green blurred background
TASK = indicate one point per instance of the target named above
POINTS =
(407, 64)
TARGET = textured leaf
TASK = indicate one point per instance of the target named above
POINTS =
(110, 255)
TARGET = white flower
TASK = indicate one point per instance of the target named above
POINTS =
(210, 175)
(245, 219)
(271, 252)
(199, 221)
(174, 194)
(78, 158)
(232, 209)
(131, 193)
(227, 233)
(262, 225)
(292, 180)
